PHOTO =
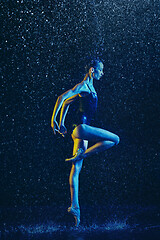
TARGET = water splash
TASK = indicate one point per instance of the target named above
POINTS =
(51, 227)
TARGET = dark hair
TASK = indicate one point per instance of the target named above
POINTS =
(93, 62)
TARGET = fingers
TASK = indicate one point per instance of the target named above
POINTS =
(55, 130)
(59, 132)
(62, 134)
(55, 127)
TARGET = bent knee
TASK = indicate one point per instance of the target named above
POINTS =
(81, 127)
(79, 130)
(117, 140)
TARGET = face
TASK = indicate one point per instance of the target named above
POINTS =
(98, 71)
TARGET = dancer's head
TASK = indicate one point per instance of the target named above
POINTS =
(95, 68)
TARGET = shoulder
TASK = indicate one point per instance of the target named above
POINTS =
(76, 90)
(80, 87)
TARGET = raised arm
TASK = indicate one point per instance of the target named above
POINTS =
(70, 93)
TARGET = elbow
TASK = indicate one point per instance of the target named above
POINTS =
(62, 97)
(59, 99)
(66, 103)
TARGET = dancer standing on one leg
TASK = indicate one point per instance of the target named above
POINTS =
(85, 93)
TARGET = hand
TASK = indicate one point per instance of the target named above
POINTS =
(55, 126)
(62, 130)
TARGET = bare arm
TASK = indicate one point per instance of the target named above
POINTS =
(65, 108)
(74, 91)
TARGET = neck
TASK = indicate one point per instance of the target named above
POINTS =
(88, 78)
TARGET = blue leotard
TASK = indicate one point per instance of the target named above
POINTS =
(87, 108)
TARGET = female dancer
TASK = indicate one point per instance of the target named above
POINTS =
(83, 132)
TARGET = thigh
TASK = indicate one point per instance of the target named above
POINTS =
(95, 134)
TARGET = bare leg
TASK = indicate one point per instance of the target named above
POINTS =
(81, 135)
(74, 180)
(75, 170)
(104, 138)
(98, 147)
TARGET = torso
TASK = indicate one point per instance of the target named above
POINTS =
(88, 103)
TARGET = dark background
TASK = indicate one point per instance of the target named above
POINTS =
(44, 47)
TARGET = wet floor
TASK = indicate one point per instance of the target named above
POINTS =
(109, 222)
(56, 233)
